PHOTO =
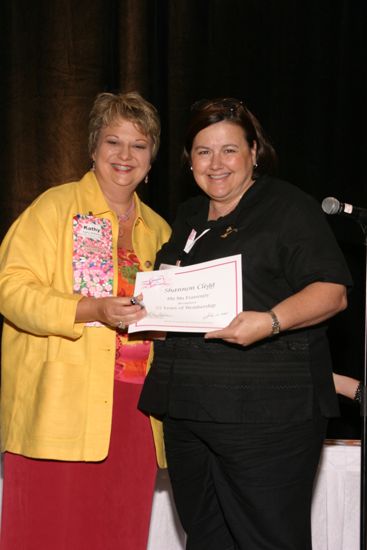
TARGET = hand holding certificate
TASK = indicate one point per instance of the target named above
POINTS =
(196, 298)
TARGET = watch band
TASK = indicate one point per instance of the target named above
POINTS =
(275, 326)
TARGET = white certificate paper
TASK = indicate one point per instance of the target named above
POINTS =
(196, 298)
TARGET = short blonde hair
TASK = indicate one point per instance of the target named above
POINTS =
(131, 106)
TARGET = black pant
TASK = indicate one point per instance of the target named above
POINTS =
(244, 486)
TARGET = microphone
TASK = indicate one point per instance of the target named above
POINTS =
(331, 205)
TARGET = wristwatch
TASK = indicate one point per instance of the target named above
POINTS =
(275, 326)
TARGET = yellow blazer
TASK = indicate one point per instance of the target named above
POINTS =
(58, 375)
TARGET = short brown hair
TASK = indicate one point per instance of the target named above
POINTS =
(131, 106)
(209, 111)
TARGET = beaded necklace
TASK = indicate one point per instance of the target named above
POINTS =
(126, 216)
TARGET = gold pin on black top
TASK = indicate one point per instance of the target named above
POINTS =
(228, 231)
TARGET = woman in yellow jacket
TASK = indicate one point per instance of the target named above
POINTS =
(79, 463)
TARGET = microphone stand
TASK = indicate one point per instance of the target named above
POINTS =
(363, 483)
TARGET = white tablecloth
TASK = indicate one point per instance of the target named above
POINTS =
(335, 507)
(336, 501)
(166, 532)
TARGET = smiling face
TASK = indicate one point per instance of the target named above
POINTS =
(122, 157)
(222, 162)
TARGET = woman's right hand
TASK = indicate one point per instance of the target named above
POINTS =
(111, 310)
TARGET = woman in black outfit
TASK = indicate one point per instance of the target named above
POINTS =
(245, 408)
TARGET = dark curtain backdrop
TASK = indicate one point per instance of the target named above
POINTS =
(301, 67)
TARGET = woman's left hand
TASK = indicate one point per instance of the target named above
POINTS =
(312, 305)
(245, 329)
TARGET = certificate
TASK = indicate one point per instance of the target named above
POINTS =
(196, 298)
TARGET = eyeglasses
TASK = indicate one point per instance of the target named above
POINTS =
(230, 104)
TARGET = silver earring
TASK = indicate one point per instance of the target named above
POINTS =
(255, 165)
(146, 179)
(93, 167)
(191, 168)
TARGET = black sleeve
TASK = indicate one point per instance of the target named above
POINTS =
(308, 247)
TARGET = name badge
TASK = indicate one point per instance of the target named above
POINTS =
(92, 257)
(91, 230)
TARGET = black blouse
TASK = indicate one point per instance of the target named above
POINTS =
(286, 244)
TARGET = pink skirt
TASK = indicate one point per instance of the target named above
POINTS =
(54, 505)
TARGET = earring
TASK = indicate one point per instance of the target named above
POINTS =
(255, 165)
(191, 168)
(93, 167)
(146, 179)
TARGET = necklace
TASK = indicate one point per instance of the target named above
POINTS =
(126, 216)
